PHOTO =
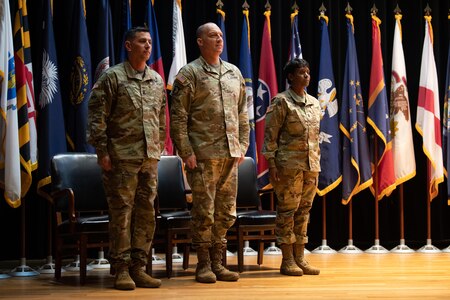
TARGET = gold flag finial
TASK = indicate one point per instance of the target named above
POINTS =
(295, 6)
(374, 10)
(219, 4)
(397, 10)
(427, 10)
(268, 6)
(322, 9)
(245, 6)
(348, 9)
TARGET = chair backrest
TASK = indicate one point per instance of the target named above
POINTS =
(248, 191)
(81, 173)
(171, 189)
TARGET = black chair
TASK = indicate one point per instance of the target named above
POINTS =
(252, 223)
(80, 208)
(173, 217)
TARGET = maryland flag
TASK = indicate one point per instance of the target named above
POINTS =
(428, 119)
(25, 97)
(356, 172)
(9, 151)
(382, 158)
(179, 47)
(446, 126)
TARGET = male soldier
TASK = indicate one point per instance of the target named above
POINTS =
(127, 128)
(210, 129)
(291, 147)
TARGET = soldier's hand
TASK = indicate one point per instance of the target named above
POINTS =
(273, 171)
(105, 163)
(190, 161)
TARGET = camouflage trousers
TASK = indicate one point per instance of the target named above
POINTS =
(295, 194)
(214, 188)
(131, 188)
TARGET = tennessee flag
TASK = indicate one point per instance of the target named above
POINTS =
(245, 65)
(156, 63)
(382, 158)
(52, 138)
(446, 126)
(329, 138)
(9, 154)
(402, 139)
(428, 114)
(356, 172)
(267, 88)
(25, 96)
(179, 48)
(221, 24)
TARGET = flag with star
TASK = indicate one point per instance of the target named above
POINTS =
(329, 138)
(356, 171)
(378, 117)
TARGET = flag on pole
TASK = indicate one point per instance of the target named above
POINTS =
(378, 117)
(295, 48)
(52, 138)
(103, 53)
(400, 117)
(126, 25)
(25, 96)
(156, 63)
(446, 126)
(267, 88)
(221, 24)
(245, 65)
(179, 49)
(428, 120)
(356, 172)
(329, 138)
(80, 83)
(9, 154)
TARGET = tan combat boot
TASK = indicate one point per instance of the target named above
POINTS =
(142, 279)
(222, 273)
(123, 280)
(288, 265)
(299, 252)
(203, 271)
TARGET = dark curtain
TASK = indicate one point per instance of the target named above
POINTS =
(197, 12)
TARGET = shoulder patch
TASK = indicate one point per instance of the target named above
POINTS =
(180, 77)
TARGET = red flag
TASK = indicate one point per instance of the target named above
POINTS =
(267, 88)
(378, 118)
(428, 113)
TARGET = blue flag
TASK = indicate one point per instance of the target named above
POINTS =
(446, 127)
(126, 25)
(295, 49)
(103, 52)
(245, 65)
(81, 81)
(356, 170)
(329, 138)
(51, 121)
(221, 24)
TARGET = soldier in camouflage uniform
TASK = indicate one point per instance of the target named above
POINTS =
(210, 129)
(127, 128)
(291, 147)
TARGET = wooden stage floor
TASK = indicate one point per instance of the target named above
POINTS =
(343, 276)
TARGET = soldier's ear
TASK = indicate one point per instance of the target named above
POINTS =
(128, 45)
(199, 42)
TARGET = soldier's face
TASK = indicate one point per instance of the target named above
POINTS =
(141, 46)
(211, 40)
(300, 77)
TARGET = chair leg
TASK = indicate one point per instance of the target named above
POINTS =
(186, 256)
(169, 250)
(83, 258)
(58, 258)
(260, 252)
(240, 251)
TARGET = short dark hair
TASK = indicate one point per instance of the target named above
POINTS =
(293, 65)
(131, 33)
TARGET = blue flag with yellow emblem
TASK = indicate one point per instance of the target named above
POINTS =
(356, 170)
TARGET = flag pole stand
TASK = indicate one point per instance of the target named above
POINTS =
(247, 250)
(402, 248)
(23, 270)
(446, 250)
(101, 262)
(428, 248)
(156, 260)
(324, 248)
(4, 276)
(48, 267)
(75, 265)
(176, 257)
(350, 248)
(272, 249)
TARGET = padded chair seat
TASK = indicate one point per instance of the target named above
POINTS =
(175, 218)
(256, 217)
(93, 223)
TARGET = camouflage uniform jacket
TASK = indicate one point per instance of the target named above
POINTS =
(292, 132)
(209, 111)
(127, 113)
